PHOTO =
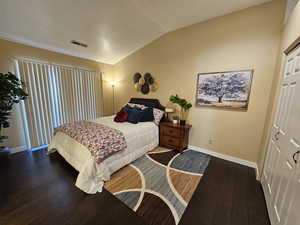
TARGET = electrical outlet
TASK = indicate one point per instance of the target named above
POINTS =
(210, 141)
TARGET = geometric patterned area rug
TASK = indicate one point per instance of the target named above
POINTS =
(159, 185)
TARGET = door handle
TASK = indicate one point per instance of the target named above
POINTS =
(276, 135)
(294, 155)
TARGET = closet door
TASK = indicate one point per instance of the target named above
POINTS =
(293, 215)
(284, 143)
(291, 209)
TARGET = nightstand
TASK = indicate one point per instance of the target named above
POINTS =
(174, 136)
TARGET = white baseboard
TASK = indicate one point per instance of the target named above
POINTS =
(228, 158)
(18, 149)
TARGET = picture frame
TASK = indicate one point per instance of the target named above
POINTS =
(230, 89)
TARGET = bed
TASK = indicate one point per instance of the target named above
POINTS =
(140, 138)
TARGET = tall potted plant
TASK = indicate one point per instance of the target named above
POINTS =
(184, 105)
(11, 92)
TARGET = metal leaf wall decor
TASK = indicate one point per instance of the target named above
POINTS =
(144, 83)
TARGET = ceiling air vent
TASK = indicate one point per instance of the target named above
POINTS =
(79, 43)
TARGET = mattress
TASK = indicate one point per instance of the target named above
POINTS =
(140, 138)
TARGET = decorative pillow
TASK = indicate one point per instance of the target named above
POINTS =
(158, 114)
(121, 116)
(147, 115)
(134, 115)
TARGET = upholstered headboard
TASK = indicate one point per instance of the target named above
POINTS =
(150, 102)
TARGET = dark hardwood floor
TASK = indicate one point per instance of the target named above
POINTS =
(36, 189)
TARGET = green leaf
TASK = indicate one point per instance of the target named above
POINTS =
(181, 102)
(11, 92)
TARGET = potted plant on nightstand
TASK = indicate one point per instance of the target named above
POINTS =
(11, 92)
(184, 105)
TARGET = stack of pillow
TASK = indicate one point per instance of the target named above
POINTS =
(135, 113)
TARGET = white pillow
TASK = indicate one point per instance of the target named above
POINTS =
(158, 114)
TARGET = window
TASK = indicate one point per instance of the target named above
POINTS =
(58, 94)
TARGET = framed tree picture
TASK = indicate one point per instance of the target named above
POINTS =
(224, 89)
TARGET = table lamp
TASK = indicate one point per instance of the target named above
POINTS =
(168, 110)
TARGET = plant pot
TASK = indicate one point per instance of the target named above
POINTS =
(182, 122)
(4, 153)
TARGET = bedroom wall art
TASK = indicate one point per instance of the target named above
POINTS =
(145, 83)
(224, 89)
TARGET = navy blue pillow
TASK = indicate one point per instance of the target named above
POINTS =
(127, 107)
(134, 114)
(147, 115)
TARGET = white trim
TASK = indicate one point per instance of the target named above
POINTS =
(181, 171)
(18, 149)
(21, 40)
(162, 151)
(142, 188)
(175, 192)
(228, 158)
(127, 190)
(258, 177)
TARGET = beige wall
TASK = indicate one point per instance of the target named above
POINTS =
(290, 32)
(248, 39)
(9, 50)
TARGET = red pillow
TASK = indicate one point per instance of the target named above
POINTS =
(121, 116)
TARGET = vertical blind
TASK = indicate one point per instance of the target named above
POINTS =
(58, 94)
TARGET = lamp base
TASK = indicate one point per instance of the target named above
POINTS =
(182, 122)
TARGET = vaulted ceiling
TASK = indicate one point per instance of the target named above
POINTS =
(112, 29)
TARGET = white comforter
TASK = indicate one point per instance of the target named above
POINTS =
(140, 138)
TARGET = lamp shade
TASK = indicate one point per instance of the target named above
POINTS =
(113, 83)
(169, 110)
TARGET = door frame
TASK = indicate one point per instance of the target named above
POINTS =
(292, 46)
(287, 51)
